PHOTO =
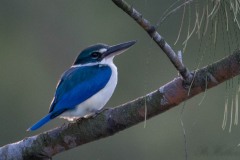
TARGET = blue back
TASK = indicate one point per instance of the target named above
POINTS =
(77, 85)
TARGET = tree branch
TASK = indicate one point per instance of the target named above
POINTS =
(151, 30)
(111, 121)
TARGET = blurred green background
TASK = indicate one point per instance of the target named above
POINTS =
(40, 39)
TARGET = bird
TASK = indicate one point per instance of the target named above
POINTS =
(87, 85)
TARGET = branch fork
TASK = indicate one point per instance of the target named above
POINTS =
(152, 32)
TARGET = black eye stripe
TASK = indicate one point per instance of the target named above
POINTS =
(95, 54)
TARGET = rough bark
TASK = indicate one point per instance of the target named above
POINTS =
(111, 121)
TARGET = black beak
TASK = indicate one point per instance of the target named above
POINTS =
(118, 49)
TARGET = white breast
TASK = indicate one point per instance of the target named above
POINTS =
(97, 101)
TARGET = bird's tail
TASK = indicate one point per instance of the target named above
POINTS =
(40, 123)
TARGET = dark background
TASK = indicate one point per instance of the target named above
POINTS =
(40, 39)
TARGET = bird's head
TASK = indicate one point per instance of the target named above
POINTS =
(99, 52)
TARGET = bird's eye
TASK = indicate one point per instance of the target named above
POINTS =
(95, 55)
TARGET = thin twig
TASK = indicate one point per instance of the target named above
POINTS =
(151, 30)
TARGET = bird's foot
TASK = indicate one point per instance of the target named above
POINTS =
(80, 119)
(95, 113)
(91, 115)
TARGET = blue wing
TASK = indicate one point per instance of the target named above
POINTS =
(76, 85)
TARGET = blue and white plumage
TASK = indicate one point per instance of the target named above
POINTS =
(87, 86)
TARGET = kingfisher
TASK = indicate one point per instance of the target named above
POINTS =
(87, 85)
